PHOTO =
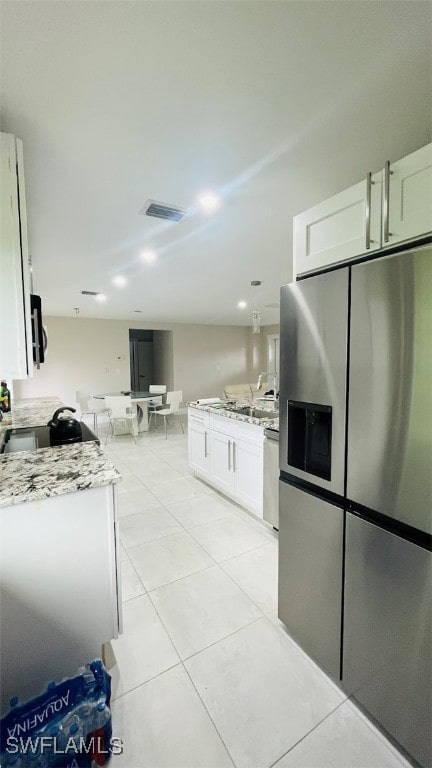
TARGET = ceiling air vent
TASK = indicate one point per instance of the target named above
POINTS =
(90, 293)
(162, 211)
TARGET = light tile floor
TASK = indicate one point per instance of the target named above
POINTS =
(206, 676)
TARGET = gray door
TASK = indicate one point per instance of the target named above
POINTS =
(387, 633)
(310, 574)
(390, 387)
(141, 363)
(313, 350)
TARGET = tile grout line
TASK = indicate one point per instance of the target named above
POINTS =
(225, 637)
(246, 552)
(150, 679)
(182, 661)
(181, 578)
(307, 734)
(138, 577)
(259, 618)
(220, 564)
(209, 715)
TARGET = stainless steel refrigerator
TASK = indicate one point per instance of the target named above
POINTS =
(355, 517)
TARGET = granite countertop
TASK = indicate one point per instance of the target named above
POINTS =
(270, 422)
(31, 412)
(33, 475)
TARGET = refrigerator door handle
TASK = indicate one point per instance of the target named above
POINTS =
(386, 201)
(369, 183)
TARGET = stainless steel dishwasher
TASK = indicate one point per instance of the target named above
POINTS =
(271, 476)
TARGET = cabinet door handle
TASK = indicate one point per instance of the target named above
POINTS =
(36, 333)
(205, 444)
(234, 457)
(386, 200)
(369, 183)
(229, 454)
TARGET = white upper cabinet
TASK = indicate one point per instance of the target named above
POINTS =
(385, 208)
(408, 190)
(339, 228)
(16, 353)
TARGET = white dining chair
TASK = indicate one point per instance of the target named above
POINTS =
(89, 408)
(121, 410)
(157, 403)
(173, 400)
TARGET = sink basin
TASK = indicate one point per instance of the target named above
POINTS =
(256, 413)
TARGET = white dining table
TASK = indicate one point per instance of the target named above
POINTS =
(141, 401)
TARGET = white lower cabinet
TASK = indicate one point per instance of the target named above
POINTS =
(222, 474)
(61, 601)
(248, 471)
(228, 454)
(198, 444)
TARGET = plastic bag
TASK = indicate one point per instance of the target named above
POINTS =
(67, 726)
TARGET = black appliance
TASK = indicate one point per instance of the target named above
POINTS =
(64, 429)
(309, 437)
(33, 438)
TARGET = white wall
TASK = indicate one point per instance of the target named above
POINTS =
(93, 355)
(257, 353)
(207, 357)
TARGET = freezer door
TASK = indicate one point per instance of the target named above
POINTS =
(313, 350)
(390, 387)
(310, 574)
(387, 633)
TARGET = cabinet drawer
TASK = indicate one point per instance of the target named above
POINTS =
(223, 425)
(198, 417)
(234, 428)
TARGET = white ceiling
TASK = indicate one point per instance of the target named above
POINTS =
(274, 105)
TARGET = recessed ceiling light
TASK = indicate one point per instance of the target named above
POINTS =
(100, 297)
(209, 202)
(242, 305)
(148, 256)
(119, 281)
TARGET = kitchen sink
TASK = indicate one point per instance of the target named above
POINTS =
(256, 413)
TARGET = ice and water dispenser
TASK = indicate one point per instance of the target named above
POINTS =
(309, 437)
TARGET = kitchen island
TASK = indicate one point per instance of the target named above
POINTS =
(59, 558)
(225, 448)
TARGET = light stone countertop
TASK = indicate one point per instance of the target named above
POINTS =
(31, 412)
(270, 422)
(33, 475)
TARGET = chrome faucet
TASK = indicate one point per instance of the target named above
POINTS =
(274, 375)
